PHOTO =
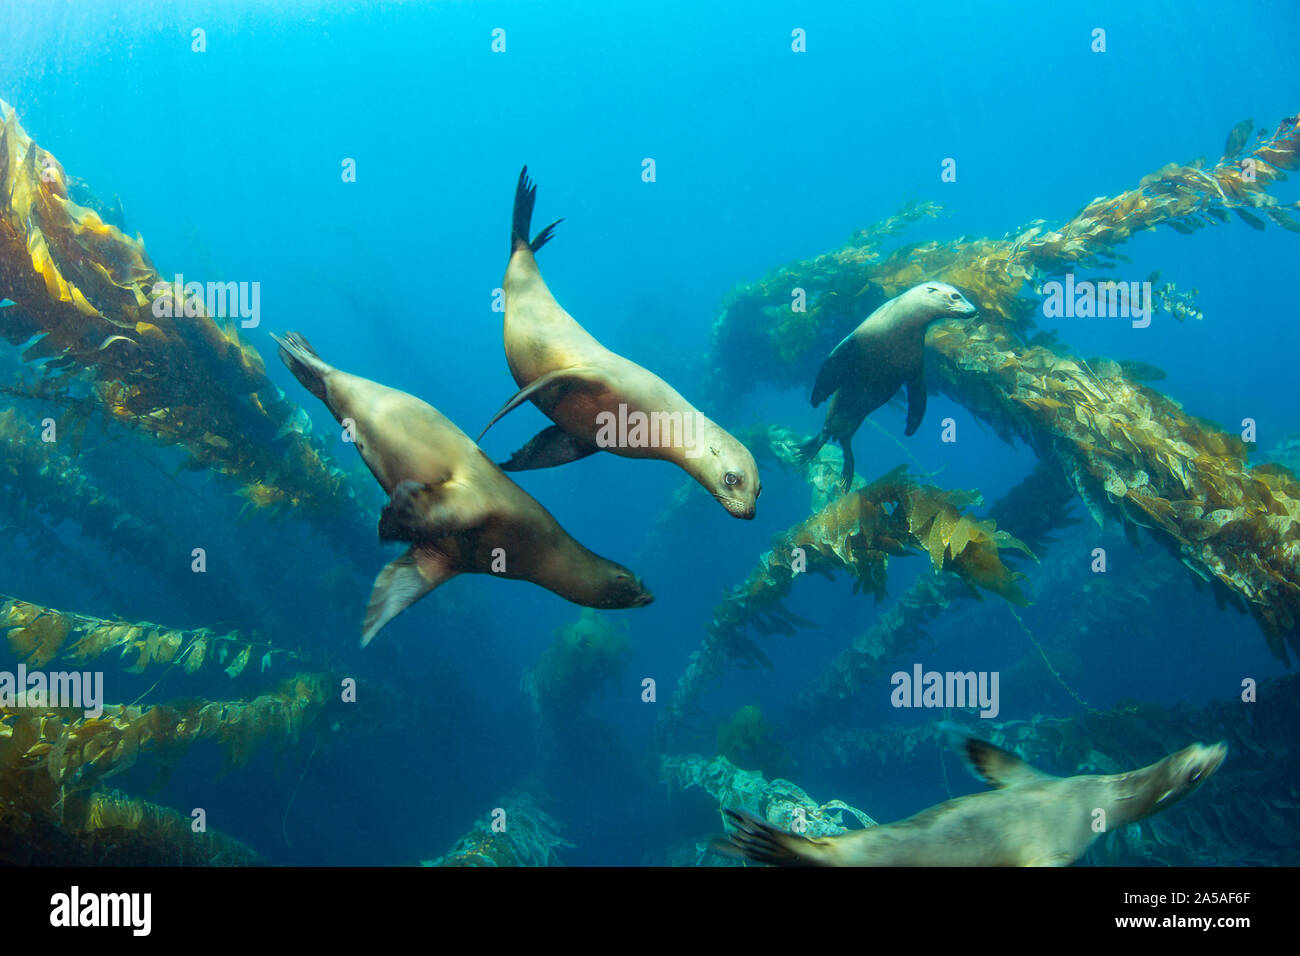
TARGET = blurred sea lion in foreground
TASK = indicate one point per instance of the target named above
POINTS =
(883, 354)
(450, 501)
(1032, 819)
(598, 399)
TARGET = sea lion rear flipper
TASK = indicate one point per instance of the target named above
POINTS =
(997, 767)
(567, 378)
(400, 584)
(915, 403)
(758, 840)
(550, 447)
(419, 512)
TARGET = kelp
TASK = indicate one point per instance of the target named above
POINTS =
(54, 807)
(524, 836)
(748, 740)
(1129, 452)
(584, 657)
(779, 802)
(84, 295)
(70, 749)
(1245, 816)
(1031, 510)
(40, 635)
(855, 533)
(37, 477)
(110, 829)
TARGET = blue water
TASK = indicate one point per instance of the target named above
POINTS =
(228, 163)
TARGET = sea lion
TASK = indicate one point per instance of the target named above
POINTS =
(451, 502)
(883, 354)
(598, 399)
(1032, 819)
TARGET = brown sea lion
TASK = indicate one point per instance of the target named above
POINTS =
(457, 509)
(883, 354)
(598, 399)
(1032, 819)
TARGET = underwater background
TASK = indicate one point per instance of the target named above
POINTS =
(496, 693)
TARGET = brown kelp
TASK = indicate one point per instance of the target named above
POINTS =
(39, 635)
(53, 764)
(515, 833)
(856, 533)
(110, 829)
(748, 740)
(84, 295)
(1128, 451)
(585, 656)
(68, 747)
(1031, 511)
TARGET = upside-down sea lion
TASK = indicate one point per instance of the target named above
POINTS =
(883, 354)
(1032, 819)
(451, 502)
(598, 399)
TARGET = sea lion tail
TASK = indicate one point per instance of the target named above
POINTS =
(307, 367)
(757, 840)
(525, 199)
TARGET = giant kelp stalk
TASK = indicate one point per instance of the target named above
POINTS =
(40, 635)
(1031, 510)
(1128, 451)
(1245, 816)
(585, 656)
(112, 829)
(53, 763)
(779, 801)
(514, 833)
(85, 293)
(856, 533)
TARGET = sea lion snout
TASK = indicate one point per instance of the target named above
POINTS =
(1183, 772)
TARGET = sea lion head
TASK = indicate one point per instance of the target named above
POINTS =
(1169, 780)
(617, 587)
(939, 300)
(730, 473)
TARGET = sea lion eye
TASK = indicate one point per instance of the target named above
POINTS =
(955, 296)
(731, 478)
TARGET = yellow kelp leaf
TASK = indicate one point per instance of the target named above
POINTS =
(240, 662)
(168, 644)
(198, 651)
(39, 641)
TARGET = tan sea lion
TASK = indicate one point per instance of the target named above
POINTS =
(883, 354)
(451, 502)
(598, 399)
(1032, 819)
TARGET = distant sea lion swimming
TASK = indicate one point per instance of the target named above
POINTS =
(591, 393)
(883, 354)
(1032, 819)
(450, 501)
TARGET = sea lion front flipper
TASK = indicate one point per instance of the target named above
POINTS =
(568, 378)
(400, 584)
(421, 512)
(834, 371)
(997, 767)
(915, 403)
(550, 447)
